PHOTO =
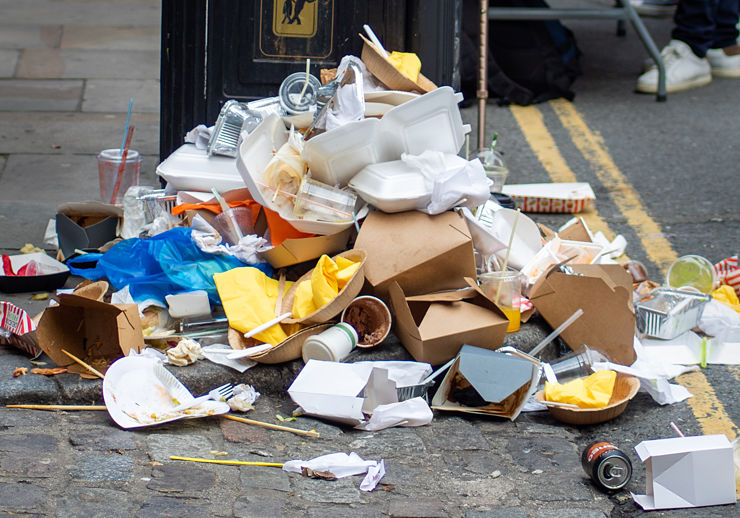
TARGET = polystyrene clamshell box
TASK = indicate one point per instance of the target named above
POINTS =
(191, 169)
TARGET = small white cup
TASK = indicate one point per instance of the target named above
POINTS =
(332, 345)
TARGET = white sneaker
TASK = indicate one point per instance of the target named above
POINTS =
(683, 69)
(657, 8)
(725, 62)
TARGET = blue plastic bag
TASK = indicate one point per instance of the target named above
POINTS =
(167, 263)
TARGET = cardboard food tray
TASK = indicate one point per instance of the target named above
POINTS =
(289, 349)
(389, 75)
(341, 301)
(562, 198)
(625, 388)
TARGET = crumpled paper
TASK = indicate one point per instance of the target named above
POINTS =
(186, 351)
(716, 317)
(341, 465)
(217, 353)
(243, 398)
(653, 376)
(199, 135)
(412, 412)
(451, 179)
(208, 240)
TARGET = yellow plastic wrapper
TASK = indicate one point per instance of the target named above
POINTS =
(249, 298)
(327, 280)
(593, 391)
(727, 296)
(407, 63)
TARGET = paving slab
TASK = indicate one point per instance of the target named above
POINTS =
(73, 64)
(95, 503)
(26, 35)
(72, 176)
(105, 36)
(8, 62)
(78, 133)
(44, 96)
(110, 95)
(80, 12)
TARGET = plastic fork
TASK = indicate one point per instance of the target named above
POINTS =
(223, 392)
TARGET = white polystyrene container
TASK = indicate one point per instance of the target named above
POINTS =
(191, 169)
(429, 122)
(391, 186)
(337, 155)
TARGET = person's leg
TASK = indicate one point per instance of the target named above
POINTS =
(696, 22)
(726, 33)
(724, 54)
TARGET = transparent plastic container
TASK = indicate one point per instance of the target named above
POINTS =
(293, 98)
(691, 271)
(496, 170)
(319, 201)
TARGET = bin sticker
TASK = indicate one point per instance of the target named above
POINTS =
(296, 29)
(296, 18)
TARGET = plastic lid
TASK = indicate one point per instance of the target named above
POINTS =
(693, 271)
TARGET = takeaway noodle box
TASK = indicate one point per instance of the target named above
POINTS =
(604, 293)
(92, 330)
(421, 253)
(434, 327)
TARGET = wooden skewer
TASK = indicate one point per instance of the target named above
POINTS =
(308, 433)
(231, 462)
(88, 367)
(59, 407)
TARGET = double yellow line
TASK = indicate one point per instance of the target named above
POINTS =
(706, 406)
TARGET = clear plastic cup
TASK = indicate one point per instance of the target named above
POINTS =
(496, 170)
(109, 162)
(322, 202)
(576, 364)
(504, 289)
(296, 96)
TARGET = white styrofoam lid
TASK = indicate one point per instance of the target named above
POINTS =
(431, 121)
(393, 180)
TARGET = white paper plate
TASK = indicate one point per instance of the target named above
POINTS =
(140, 392)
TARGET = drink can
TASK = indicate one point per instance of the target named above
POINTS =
(607, 465)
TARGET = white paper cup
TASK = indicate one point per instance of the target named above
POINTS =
(332, 345)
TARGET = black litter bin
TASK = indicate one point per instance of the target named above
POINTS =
(215, 50)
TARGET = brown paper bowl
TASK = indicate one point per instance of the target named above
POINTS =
(389, 75)
(377, 317)
(289, 349)
(625, 388)
(341, 301)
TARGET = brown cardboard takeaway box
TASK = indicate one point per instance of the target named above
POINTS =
(434, 327)
(604, 292)
(421, 253)
(94, 331)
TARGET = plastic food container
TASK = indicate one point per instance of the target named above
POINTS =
(666, 313)
(191, 169)
(391, 186)
(319, 201)
(691, 271)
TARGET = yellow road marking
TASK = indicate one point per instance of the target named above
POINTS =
(735, 370)
(532, 123)
(705, 405)
(592, 146)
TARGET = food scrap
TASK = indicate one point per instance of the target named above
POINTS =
(20, 371)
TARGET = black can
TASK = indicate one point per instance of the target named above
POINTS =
(607, 465)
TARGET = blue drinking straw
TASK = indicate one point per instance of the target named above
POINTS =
(128, 120)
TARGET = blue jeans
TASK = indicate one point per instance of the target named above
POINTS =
(706, 24)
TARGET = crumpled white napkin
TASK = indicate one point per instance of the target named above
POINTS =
(342, 465)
